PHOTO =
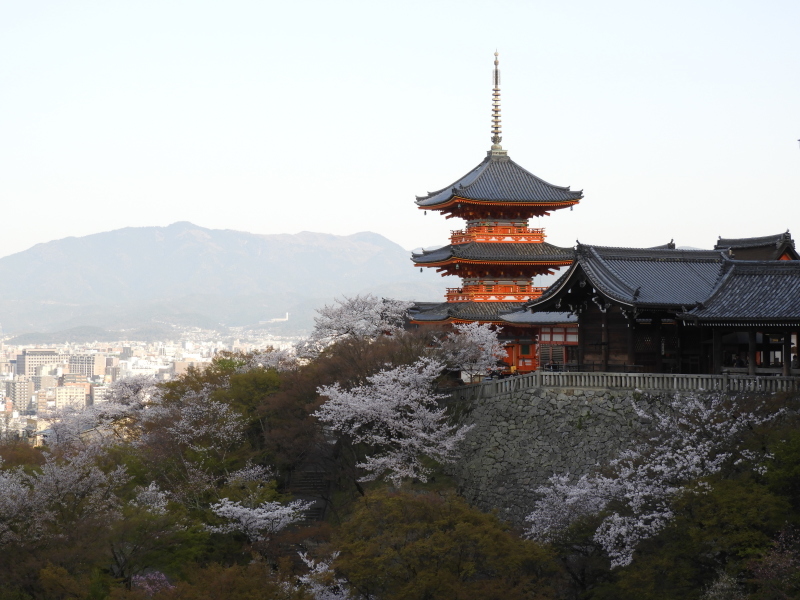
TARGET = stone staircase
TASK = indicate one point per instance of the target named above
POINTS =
(312, 486)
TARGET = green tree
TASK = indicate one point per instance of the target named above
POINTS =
(403, 545)
(718, 528)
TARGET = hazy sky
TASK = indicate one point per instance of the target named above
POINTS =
(678, 119)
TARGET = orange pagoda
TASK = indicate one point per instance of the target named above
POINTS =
(497, 254)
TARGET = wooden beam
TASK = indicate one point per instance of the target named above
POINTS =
(659, 334)
(787, 353)
(716, 351)
(604, 340)
(631, 341)
(751, 352)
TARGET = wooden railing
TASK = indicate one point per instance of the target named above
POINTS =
(651, 382)
(479, 293)
(497, 234)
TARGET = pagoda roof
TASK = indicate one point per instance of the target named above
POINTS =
(768, 247)
(508, 252)
(499, 179)
(463, 311)
(638, 277)
(752, 292)
(524, 317)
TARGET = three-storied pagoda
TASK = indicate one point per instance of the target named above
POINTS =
(497, 254)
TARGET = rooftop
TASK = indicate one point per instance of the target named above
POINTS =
(496, 252)
(466, 311)
(768, 247)
(753, 291)
(500, 179)
(525, 317)
(640, 276)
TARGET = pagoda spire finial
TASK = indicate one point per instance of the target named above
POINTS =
(496, 126)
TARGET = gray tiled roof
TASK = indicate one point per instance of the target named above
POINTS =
(641, 276)
(472, 311)
(770, 247)
(498, 178)
(525, 317)
(753, 291)
(754, 242)
(506, 252)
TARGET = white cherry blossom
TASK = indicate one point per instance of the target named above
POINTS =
(397, 414)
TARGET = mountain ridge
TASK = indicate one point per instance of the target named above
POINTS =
(130, 276)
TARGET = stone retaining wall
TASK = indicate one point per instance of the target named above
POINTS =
(520, 439)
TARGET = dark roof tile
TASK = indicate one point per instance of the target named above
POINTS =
(753, 291)
(498, 178)
(754, 242)
(471, 311)
(503, 252)
(525, 317)
(642, 276)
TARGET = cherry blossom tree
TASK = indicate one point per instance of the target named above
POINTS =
(116, 419)
(692, 438)
(361, 317)
(472, 348)
(187, 442)
(46, 502)
(257, 522)
(396, 414)
(151, 498)
(280, 360)
(321, 582)
(16, 507)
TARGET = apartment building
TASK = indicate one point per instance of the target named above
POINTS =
(20, 391)
(70, 396)
(32, 358)
(90, 365)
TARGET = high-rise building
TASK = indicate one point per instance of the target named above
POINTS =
(89, 365)
(31, 359)
(20, 391)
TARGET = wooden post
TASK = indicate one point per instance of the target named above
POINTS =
(604, 340)
(659, 335)
(751, 352)
(631, 343)
(716, 351)
(581, 340)
(765, 362)
(787, 353)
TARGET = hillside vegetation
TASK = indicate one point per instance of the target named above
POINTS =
(213, 486)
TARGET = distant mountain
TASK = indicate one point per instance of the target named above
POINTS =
(189, 275)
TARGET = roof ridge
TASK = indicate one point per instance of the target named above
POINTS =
(620, 282)
(452, 185)
(763, 240)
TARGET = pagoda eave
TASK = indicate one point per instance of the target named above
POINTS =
(442, 265)
(456, 200)
(456, 320)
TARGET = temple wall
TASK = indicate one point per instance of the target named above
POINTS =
(520, 439)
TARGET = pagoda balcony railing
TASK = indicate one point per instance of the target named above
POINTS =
(496, 235)
(496, 293)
